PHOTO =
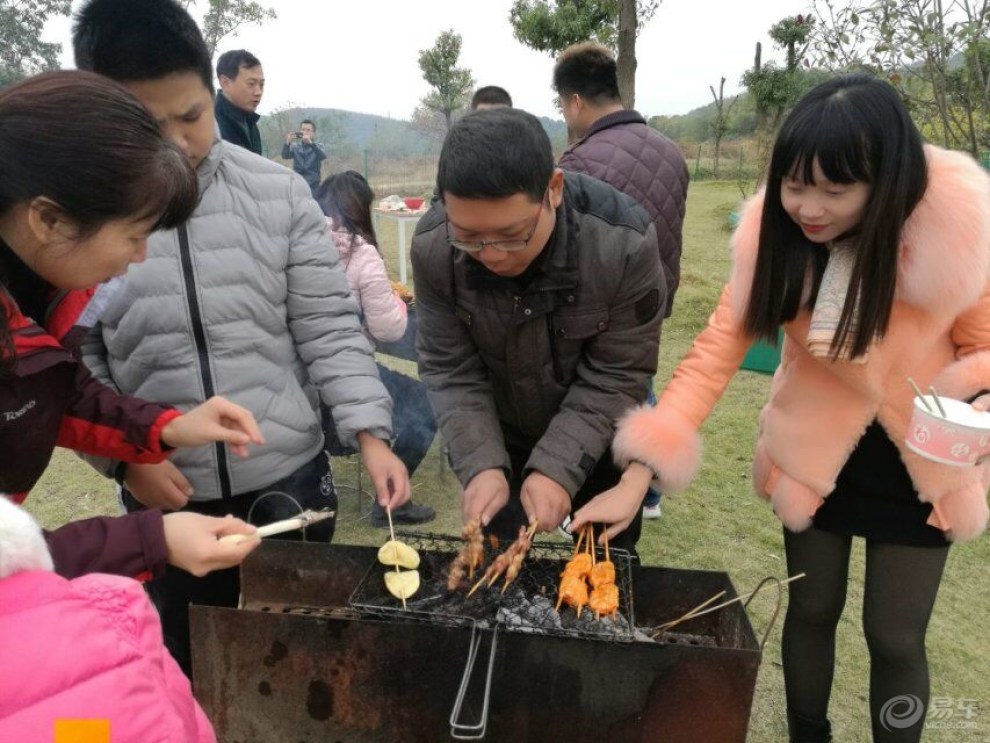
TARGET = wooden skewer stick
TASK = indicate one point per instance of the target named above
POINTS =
(529, 535)
(694, 613)
(606, 545)
(691, 613)
(591, 542)
(937, 401)
(476, 586)
(391, 531)
(498, 573)
(920, 394)
(577, 545)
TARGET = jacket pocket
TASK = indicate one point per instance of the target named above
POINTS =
(568, 335)
(765, 472)
(291, 421)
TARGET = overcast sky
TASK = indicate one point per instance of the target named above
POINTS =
(361, 56)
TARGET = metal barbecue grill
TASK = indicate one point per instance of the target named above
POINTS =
(526, 606)
(305, 659)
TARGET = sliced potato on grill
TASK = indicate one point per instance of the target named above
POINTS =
(403, 583)
(394, 553)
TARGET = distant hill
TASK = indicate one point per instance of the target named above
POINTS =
(695, 125)
(353, 131)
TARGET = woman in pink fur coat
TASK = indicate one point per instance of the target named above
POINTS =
(872, 251)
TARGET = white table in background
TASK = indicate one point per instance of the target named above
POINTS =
(401, 217)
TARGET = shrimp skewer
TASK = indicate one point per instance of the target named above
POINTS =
(603, 572)
(604, 599)
(573, 591)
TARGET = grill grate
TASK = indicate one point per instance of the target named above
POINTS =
(527, 605)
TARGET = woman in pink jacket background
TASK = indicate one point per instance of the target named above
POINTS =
(346, 200)
(872, 252)
(84, 649)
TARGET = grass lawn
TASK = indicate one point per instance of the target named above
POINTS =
(717, 525)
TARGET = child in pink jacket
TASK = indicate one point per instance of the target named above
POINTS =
(83, 649)
(346, 200)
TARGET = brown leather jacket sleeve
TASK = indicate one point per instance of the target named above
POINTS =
(131, 545)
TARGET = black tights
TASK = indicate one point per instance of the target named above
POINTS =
(898, 596)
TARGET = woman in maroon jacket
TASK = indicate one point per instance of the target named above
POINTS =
(85, 177)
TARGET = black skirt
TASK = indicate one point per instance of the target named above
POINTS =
(874, 498)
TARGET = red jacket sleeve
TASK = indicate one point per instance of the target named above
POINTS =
(104, 423)
(131, 545)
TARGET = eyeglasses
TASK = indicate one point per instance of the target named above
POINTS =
(506, 246)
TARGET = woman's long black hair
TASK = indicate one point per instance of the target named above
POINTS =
(85, 143)
(857, 129)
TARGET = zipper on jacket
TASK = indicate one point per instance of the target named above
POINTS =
(199, 336)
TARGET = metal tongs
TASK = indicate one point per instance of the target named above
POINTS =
(301, 521)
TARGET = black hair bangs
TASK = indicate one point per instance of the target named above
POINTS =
(831, 136)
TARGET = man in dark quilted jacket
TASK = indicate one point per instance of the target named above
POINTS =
(616, 145)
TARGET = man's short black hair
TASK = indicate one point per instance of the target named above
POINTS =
(129, 40)
(491, 95)
(494, 154)
(589, 70)
(231, 63)
(307, 121)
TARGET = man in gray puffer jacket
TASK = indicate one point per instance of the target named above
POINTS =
(617, 146)
(248, 300)
(540, 296)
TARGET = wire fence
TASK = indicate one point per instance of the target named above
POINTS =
(415, 175)
(731, 160)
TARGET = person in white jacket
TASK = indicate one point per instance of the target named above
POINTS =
(346, 200)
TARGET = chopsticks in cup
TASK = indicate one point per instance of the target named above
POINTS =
(921, 396)
(938, 402)
(304, 519)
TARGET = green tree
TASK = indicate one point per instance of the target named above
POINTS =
(932, 51)
(553, 25)
(720, 123)
(224, 17)
(452, 85)
(775, 89)
(22, 52)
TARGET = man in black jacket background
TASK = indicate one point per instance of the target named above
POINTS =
(305, 152)
(242, 83)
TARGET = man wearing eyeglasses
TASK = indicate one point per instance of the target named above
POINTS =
(540, 299)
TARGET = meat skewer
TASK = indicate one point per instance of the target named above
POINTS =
(471, 556)
(502, 563)
(474, 551)
(521, 546)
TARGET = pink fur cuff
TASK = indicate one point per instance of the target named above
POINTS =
(661, 439)
(964, 378)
